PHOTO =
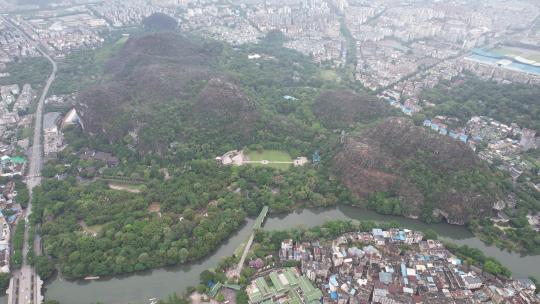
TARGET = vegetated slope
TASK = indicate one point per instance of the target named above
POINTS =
(403, 169)
(507, 103)
(341, 109)
(222, 106)
(158, 88)
(158, 22)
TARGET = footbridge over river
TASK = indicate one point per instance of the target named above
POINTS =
(256, 225)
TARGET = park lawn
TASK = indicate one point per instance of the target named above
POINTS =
(271, 155)
(27, 132)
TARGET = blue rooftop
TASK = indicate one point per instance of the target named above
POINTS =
(385, 277)
(333, 281)
(12, 218)
(377, 231)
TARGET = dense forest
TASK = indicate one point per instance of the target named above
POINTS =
(343, 109)
(17, 244)
(4, 281)
(169, 94)
(97, 231)
(166, 105)
(93, 230)
(33, 70)
(508, 103)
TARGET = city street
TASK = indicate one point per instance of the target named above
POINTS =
(28, 282)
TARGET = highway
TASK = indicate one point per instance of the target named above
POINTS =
(25, 285)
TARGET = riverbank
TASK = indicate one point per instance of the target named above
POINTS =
(136, 288)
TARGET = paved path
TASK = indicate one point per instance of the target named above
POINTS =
(26, 284)
(257, 225)
(244, 254)
(264, 162)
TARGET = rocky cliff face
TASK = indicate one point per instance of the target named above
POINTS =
(424, 170)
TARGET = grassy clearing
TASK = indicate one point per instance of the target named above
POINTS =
(272, 156)
(329, 75)
(27, 132)
(132, 188)
(154, 207)
(91, 230)
(83, 68)
(108, 51)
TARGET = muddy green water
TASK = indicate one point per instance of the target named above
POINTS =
(139, 287)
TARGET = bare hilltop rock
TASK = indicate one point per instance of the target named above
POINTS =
(162, 89)
(430, 175)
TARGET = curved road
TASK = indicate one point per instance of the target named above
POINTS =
(29, 282)
(25, 284)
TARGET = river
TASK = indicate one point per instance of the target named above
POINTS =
(139, 287)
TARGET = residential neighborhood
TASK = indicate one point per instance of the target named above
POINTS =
(148, 173)
(381, 266)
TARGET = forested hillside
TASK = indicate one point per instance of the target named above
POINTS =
(342, 109)
(402, 169)
(165, 91)
(519, 103)
(165, 105)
